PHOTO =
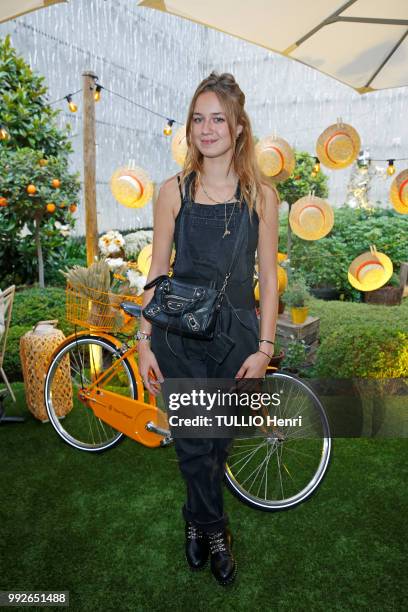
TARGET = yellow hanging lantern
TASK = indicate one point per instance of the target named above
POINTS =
(275, 158)
(179, 146)
(399, 192)
(370, 270)
(338, 146)
(131, 187)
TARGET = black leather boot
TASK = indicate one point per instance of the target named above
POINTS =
(196, 547)
(223, 564)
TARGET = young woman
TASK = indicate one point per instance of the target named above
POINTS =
(219, 178)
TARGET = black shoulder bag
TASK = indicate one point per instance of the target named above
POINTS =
(187, 309)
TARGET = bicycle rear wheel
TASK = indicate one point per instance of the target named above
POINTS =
(82, 357)
(282, 469)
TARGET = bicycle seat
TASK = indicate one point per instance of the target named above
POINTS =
(131, 308)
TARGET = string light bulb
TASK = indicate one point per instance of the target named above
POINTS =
(4, 135)
(167, 130)
(71, 105)
(316, 167)
(97, 94)
(391, 167)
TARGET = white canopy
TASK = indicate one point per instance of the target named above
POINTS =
(9, 9)
(362, 43)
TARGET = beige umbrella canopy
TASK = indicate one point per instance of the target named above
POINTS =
(9, 9)
(362, 43)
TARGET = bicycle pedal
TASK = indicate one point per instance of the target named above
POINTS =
(166, 441)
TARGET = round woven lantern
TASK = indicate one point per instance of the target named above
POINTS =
(399, 192)
(179, 146)
(338, 146)
(275, 158)
(370, 270)
(36, 348)
(131, 186)
(311, 218)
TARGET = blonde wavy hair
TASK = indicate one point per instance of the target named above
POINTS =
(244, 161)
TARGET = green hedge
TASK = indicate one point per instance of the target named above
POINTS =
(361, 340)
(30, 306)
(357, 340)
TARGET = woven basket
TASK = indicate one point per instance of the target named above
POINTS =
(36, 348)
(98, 310)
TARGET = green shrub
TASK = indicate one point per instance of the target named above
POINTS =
(12, 364)
(73, 253)
(367, 352)
(361, 340)
(336, 314)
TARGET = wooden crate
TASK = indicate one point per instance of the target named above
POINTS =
(287, 331)
(404, 279)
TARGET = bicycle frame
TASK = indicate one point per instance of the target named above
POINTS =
(137, 419)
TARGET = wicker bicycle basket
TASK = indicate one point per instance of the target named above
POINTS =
(99, 310)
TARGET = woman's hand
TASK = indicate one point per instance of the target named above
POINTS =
(149, 368)
(254, 366)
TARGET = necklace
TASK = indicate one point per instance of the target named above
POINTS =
(226, 223)
(226, 232)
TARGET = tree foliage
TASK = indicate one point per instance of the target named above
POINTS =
(36, 187)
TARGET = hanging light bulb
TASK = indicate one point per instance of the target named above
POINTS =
(97, 94)
(167, 130)
(316, 167)
(391, 167)
(4, 135)
(71, 105)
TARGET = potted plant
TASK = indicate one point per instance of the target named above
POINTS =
(389, 295)
(296, 296)
(295, 356)
(278, 355)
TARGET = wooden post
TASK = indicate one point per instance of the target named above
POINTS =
(89, 154)
(289, 243)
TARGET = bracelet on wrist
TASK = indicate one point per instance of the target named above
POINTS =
(263, 352)
(140, 335)
(268, 341)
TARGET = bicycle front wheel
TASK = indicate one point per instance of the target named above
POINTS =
(284, 467)
(78, 362)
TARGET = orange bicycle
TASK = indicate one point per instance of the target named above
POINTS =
(97, 375)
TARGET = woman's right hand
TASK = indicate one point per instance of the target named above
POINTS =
(149, 368)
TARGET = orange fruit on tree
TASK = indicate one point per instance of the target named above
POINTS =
(3, 202)
(73, 208)
(55, 183)
(43, 162)
(51, 207)
(31, 189)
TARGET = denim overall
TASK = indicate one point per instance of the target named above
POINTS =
(203, 256)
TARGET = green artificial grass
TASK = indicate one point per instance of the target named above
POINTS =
(108, 528)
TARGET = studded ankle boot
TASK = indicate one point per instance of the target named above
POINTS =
(223, 564)
(196, 547)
